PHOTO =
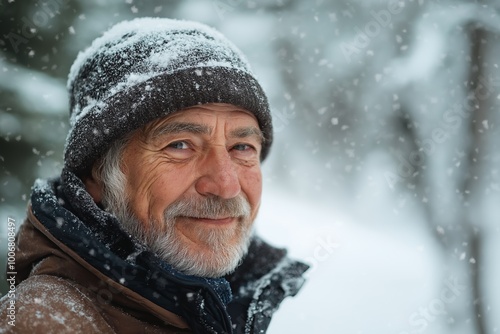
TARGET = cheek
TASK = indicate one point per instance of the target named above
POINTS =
(151, 187)
(141, 187)
(163, 185)
(251, 184)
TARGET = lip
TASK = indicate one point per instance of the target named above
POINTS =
(219, 221)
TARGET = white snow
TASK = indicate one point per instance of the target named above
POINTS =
(362, 280)
(369, 275)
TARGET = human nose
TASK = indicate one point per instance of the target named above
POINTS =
(219, 175)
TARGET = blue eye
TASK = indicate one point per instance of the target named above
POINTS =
(178, 145)
(242, 147)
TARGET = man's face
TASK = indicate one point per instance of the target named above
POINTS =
(193, 181)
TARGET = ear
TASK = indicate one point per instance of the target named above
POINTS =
(94, 188)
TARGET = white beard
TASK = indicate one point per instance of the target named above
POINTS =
(222, 248)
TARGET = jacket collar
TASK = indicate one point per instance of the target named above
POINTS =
(266, 276)
(69, 215)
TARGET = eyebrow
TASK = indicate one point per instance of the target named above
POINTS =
(247, 132)
(180, 127)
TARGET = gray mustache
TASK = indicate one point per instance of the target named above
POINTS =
(209, 207)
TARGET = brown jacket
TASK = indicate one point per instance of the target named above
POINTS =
(79, 272)
(61, 293)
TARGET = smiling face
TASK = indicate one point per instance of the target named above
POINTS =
(193, 187)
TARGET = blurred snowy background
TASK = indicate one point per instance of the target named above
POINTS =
(384, 174)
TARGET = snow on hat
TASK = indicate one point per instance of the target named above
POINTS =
(147, 68)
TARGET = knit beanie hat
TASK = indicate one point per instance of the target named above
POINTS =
(148, 68)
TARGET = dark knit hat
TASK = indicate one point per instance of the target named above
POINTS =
(147, 68)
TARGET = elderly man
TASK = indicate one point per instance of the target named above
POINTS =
(149, 227)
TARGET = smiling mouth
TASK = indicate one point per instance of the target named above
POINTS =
(215, 221)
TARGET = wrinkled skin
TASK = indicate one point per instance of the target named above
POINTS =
(213, 149)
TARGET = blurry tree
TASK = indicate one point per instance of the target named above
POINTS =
(449, 158)
(39, 40)
(397, 97)
(32, 100)
(417, 85)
